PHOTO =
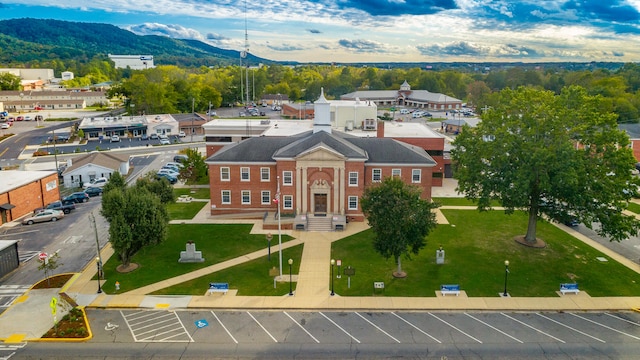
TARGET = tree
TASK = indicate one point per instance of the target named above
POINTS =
(116, 181)
(9, 81)
(161, 188)
(559, 155)
(399, 217)
(136, 219)
(195, 169)
(49, 264)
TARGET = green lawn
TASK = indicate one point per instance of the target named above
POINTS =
(476, 248)
(182, 211)
(217, 243)
(633, 207)
(200, 193)
(251, 278)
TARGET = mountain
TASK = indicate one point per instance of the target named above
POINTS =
(25, 40)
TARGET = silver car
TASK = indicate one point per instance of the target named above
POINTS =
(44, 216)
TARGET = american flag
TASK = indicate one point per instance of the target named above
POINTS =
(277, 198)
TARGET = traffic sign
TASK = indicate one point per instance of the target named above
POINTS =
(43, 256)
(53, 304)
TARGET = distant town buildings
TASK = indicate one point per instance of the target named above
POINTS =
(134, 62)
(421, 99)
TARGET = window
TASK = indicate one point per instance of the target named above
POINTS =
(353, 178)
(266, 197)
(353, 203)
(396, 172)
(377, 175)
(226, 196)
(265, 174)
(287, 178)
(416, 175)
(225, 174)
(287, 202)
(246, 197)
(244, 174)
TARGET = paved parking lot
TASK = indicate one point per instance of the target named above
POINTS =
(361, 327)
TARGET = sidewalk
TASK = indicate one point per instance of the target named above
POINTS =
(312, 291)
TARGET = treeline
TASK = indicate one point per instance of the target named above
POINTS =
(174, 89)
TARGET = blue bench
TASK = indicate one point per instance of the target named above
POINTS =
(569, 288)
(450, 289)
(218, 288)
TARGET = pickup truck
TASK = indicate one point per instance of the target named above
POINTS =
(58, 205)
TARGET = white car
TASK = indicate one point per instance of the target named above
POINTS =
(212, 113)
(182, 134)
(115, 138)
(417, 114)
(4, 126)
(27, 118)
(97, 182)
(175, 164)
(165, 171)
(165, 141)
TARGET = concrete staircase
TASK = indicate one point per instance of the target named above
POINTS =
(319, 223)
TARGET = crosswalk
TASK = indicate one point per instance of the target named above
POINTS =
(25, 256)
(9, 293)
(6, 348)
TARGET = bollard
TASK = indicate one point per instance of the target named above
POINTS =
(117, 286)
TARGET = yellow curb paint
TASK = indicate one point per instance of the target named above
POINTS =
(21, 298)
(636, 309)
(162, 306)
(15, 338)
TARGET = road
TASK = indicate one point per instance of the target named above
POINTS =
(189, 334)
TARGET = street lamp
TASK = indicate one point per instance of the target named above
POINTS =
(333, 262)
(506, 274)
(290, 263)
(21, 96)
(98, 264)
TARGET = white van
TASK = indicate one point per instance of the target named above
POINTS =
(404, 111)
(416, 114)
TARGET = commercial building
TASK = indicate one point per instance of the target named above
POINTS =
(21, 192)
(133, 62)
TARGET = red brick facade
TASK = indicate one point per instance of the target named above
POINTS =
(30, 196)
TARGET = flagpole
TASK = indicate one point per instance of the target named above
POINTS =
(279, 228)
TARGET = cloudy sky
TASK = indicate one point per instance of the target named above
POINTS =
(374, 30)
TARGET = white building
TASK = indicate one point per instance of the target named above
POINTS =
(134, 62)
(67, 75)
(94, 165)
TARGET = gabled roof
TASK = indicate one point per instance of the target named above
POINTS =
(371, 150)
(104, 159)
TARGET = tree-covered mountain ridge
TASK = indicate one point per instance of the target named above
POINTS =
(28, 40)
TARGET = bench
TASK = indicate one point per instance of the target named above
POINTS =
(569, 288)
(184, 199)
(218, 288)
(450, 289)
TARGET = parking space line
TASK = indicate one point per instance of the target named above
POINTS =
(569, 327)
(494, 328)
(185, 329)
(338, 326)
(605, 326)
(623, 319)
(415, 327)
(224, 327)
(265, 330)
(452, 326)
(151, 325)
(531, 327)
(301, 327)
(377, 327)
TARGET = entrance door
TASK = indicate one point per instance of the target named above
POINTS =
(320, 204)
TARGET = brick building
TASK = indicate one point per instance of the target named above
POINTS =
(318, 173)
(23, 191)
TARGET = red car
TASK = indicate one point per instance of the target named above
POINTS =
(19, 118)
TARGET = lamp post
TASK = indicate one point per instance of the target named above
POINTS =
(506, 274)
(21, 96)
(333, 262)
(290, 277)
(98, 264)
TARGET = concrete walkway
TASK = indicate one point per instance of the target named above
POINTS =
(312, 290)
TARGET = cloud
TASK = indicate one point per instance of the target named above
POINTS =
(609, 10)
(469, 49)
(363, 46)
(216, 37)
(314, 31)
(285, 47)
(173, 31)
(398, 7)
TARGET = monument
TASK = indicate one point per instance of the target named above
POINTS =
(190, 255)
(440, 256)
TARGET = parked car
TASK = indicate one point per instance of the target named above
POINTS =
(65, 207)
(43, 216)
(416, 114)
(115, 138)
(144, 137)
(77, 197)
(19, 118)
(27, 118)
(175, 164)
(93, 191)
(182, 134)
(180, 158)
(153, 136)
(97, 182)
(5, 126)
(168, 172)
(212, 113)
(171, 179)
(165, 142)
(171, 167)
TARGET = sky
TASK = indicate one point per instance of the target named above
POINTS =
(374, 30)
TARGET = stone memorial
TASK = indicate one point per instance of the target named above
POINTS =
(190, 255)
(440, 256)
